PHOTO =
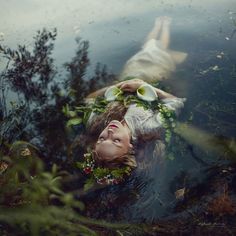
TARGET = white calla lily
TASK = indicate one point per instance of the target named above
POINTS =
(147, 93)
(112, 93)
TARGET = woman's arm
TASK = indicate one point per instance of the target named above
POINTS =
(131, 86)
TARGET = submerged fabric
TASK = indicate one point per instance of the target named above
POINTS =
(151, 63)
(147, 124)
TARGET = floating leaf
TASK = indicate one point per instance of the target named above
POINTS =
(171, 156)
(179, 194)
(74, 121)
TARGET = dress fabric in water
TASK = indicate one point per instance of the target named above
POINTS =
(147, 124)
(153, 62)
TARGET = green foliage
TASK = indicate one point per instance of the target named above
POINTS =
(99, 174)
(33, 200)
(30, 197)
(27, 64)
(37, 204)
(81, 114)
(30, 74)
(51, 220)
(74, 121)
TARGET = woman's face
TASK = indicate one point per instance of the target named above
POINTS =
(114, 140)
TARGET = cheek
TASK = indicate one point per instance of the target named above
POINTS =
(127, 140)
(97, 147)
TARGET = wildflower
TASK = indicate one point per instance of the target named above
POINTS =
(88, 170)
(147, 93)
(112, 93)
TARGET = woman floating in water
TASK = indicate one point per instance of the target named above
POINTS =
(126, 120)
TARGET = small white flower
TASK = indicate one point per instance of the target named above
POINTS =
(112, 93)
(147, 93)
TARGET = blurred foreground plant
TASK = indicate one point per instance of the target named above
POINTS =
(27, 194)
(33, 201)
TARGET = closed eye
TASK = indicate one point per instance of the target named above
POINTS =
(117, 140)
(101, 139)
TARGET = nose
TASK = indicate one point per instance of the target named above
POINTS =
(110, 133)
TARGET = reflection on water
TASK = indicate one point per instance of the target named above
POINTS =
(197, 166)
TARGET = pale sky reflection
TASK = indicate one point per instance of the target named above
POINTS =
(99, 21)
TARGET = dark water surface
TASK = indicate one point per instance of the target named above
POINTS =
(115, 31)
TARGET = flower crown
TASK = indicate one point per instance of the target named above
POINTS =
(100, 175)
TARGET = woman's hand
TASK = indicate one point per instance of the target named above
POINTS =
(130, 85)
(133, 84)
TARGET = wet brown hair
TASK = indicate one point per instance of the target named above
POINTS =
(114, 111)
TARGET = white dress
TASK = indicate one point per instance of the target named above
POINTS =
(147, 124)
(151, 63)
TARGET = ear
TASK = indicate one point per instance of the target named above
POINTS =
(131, 146)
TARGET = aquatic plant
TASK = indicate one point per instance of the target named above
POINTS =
(32, 77)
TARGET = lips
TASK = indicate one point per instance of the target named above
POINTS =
(112, 126)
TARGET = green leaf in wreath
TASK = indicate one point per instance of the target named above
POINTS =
(79, 165)
(71, 114)
(74, 121)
